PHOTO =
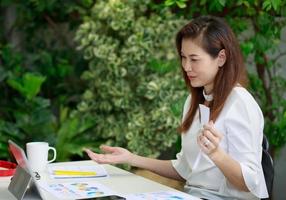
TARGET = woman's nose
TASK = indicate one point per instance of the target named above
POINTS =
(188, 66)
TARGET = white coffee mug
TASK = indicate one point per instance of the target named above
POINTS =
(37, 153)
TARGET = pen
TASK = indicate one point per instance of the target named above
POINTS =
(73, 173)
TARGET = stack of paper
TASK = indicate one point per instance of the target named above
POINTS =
(77, 171)
(77, 190)
(161, 195)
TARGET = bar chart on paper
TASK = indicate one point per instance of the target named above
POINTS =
(77, 171)
(77, 190)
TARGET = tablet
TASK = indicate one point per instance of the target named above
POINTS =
(24, 182)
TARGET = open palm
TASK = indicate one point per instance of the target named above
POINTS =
(112, 155)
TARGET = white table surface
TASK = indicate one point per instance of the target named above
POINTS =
(119, 180)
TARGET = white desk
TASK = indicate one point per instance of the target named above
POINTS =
(120, 181)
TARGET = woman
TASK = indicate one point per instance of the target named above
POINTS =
(231, 142)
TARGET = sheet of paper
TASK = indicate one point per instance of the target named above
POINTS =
(77, 190)
(162, 195)
(204, 114)
(77, 171)
(204, 119)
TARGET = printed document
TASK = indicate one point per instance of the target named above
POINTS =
(90, 171)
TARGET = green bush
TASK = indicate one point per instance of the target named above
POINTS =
(135, 89)
(27, 116)
(40, 72)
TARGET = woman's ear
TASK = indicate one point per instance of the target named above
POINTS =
(221, 58)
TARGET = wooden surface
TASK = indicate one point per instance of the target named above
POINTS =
(160, 179)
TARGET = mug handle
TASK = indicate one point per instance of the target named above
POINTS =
(55, 154)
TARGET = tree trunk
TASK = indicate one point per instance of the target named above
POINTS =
(12, 35)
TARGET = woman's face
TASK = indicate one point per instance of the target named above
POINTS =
(200, 67)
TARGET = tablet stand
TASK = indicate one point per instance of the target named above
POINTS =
(22, 186)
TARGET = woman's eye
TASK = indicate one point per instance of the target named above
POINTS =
(194, 60)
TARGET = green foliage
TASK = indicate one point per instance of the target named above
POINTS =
(71, 135)
(39, 69)
(134, 82)
(8, 131)
(179, 3)
(28, 118)
(29, 86)
(269, 4)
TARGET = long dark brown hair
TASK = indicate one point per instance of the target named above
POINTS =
(215, 35)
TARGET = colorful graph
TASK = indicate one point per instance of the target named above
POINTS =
(164, 195)
(77, 190)
(90, 191)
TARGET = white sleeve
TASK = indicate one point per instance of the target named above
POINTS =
(244, 133)
(181, 165)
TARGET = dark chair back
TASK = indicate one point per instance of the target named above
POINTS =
(267, 165)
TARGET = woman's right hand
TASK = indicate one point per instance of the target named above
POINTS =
(112, 155)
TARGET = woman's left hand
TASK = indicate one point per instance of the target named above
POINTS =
(209, 139)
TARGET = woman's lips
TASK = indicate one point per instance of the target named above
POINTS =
(191, 77)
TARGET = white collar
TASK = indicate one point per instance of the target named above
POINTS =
(208, 97)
